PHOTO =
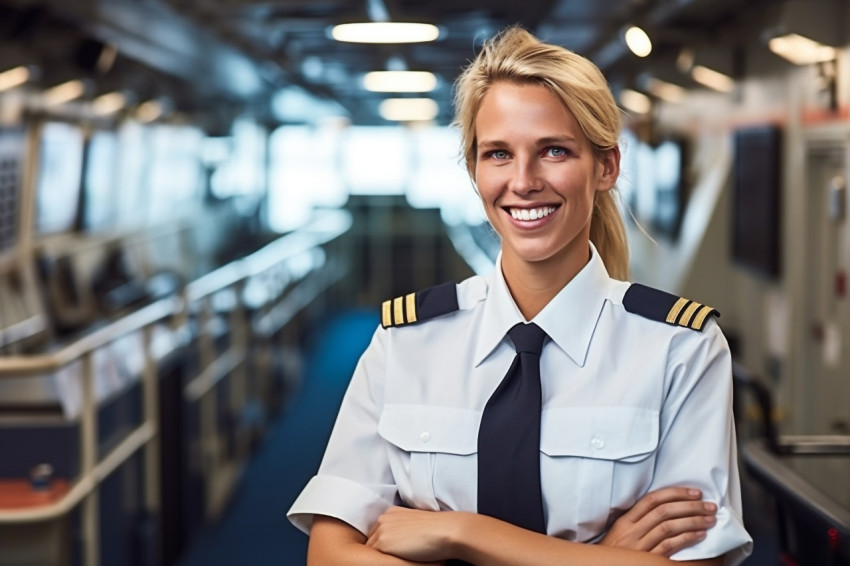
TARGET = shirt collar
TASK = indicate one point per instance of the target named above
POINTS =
(569, 319)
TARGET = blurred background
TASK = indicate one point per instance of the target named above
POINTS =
(204, 202)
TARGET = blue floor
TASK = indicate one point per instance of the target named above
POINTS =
(254, 530)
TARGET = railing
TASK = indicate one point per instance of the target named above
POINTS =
(295, 287)
(808, 501)
(813, 444)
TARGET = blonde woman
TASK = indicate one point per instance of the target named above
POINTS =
(550, 413)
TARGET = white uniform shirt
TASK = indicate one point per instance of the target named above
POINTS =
(629, 405)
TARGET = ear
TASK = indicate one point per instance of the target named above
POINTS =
(609, 169)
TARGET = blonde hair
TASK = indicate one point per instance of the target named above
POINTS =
(516, 56)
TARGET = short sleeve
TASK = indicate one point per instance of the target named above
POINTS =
(354, 482)
(697, 446)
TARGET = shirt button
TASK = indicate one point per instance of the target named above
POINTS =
(425, 436)
(597, 443)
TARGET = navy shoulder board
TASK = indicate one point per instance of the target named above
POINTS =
(664, 307)
(419, 306)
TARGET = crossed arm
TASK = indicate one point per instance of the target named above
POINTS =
(660, 524)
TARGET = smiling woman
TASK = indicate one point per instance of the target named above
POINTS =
(538, 177)
(550, 412)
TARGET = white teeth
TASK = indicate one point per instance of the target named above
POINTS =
(531, 213)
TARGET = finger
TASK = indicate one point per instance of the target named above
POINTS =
(671, 546)
(675, 510)
(659, 497)
(675, 529)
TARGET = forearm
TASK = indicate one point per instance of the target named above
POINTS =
(485, 541)
(334, 543)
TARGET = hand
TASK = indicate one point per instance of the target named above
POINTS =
(663, 522)
(413, 534)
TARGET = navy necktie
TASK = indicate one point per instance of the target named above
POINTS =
(509, 438)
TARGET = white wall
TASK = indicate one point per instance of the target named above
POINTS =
(766, 315)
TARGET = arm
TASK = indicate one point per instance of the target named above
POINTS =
(333, 542)
(663, 522)
(354, 483)
(484, 541)
(697, 445)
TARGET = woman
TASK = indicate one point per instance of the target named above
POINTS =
(628, 406)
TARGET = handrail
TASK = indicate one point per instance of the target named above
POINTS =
(23, 329)
(799, 444)
(772, 469)
(212, 374)
(15, 366)
(129, 446)
(323, 230)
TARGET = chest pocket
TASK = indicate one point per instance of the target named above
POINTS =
(431, 452)
(595, 459)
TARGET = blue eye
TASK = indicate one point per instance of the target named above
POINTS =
(556, 151)
(499, 154)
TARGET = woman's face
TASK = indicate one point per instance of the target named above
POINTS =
(537, 174)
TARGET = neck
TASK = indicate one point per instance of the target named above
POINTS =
(534, 284)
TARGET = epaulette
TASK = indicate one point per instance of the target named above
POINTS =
(420, 306)
(664, 307)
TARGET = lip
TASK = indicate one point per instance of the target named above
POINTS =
(531, 224)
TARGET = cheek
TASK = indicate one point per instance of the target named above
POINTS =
(486, 187)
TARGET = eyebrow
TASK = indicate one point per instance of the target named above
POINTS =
(490, 144)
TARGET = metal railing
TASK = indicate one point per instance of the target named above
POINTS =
(309, 279)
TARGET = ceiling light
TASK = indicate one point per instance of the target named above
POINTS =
(801, 50)
(638, 41)
(635, 101)
(408, 109)
(385, 32)
(65, 92)
(149, 111)
(400, 81)
(667, 92)
(109, 103)
(13, 78)
(712, 79)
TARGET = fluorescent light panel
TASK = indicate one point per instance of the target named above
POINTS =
(801, 50)
(638, 41)
(400, 81)
(65, 92)
(13, 78)
(109, 103)
(149, 111)
(667, 92)
(712, 79)
(635, 101)
(408, 109)
(385, 32)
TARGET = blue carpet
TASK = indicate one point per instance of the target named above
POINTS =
(254, 530)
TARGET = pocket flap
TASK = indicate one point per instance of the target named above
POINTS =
(610, 433)
(428, 428)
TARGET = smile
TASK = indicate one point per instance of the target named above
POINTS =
(531, 213)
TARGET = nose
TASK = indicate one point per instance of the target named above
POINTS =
(526, 176)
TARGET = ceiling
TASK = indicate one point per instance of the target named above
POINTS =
(218, 57)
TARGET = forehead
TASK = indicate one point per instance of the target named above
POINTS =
(513, 109)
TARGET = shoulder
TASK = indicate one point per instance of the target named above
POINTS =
(432, 303)
(664, 307)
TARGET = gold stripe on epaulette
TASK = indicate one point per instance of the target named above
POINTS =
(700, 317)
(398, 311)
(386, 314)
(677, 308)
(410, 307)
(685, 319)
